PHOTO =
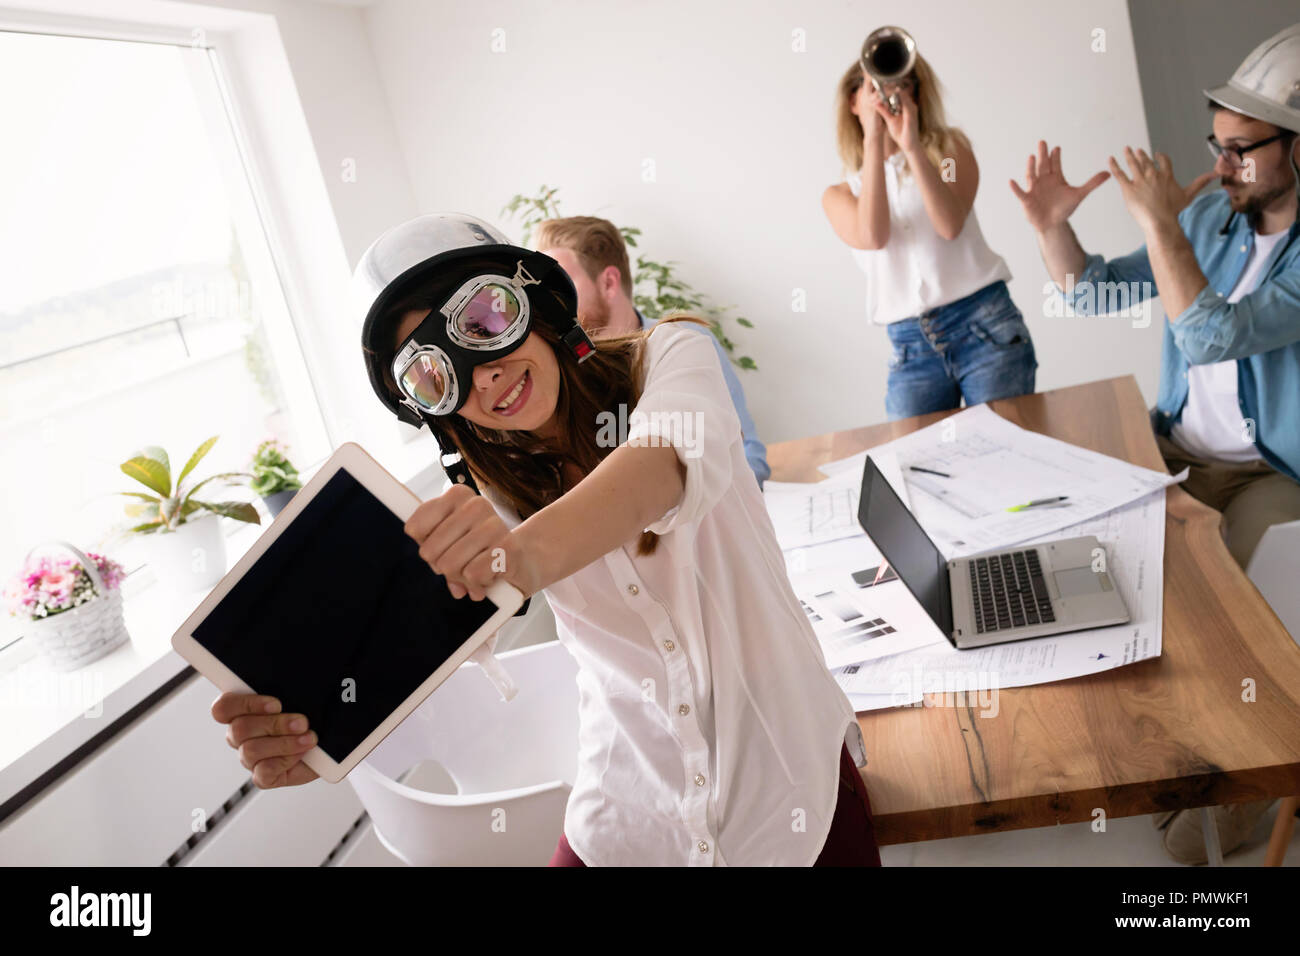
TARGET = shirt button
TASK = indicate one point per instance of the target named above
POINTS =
(684, 709)
(633, 589)
(669, 645)
(699, 780)
(703, 847)
(1243, 248)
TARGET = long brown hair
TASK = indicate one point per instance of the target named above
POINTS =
(523, 468)
(936, 136)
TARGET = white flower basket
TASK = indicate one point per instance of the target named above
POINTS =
(74, 638)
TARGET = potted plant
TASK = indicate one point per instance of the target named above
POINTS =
(71, 609)
(186, 547)
(275, 479)
(657, 288)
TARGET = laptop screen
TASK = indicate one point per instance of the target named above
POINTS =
(906, 546)
(341, 618)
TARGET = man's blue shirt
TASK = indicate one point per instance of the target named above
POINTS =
(1261, 331)
(755, 453)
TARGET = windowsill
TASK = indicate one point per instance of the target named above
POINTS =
(46, 715)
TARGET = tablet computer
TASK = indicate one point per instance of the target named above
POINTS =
(334, 612)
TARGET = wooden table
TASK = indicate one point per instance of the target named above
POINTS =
(1160, 734)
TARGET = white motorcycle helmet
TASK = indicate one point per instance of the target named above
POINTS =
(483, 293)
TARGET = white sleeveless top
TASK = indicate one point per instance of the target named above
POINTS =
(918, 269)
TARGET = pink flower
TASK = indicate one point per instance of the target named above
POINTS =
(44, 585)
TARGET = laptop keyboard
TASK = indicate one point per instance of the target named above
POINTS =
(1009, 591)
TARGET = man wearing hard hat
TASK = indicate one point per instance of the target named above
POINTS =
(1227, 269)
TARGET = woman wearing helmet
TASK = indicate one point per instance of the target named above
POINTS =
(614, 479)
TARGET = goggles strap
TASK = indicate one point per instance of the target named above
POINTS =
(458, 472)
(577, 342)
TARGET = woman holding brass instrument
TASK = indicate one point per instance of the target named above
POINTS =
(905, 208)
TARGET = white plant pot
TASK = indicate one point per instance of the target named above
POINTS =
(191, 558)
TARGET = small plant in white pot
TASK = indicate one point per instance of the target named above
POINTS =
(186, 548)
(275, 479)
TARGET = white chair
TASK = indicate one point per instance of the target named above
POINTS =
(471, 780)
(1274, 569)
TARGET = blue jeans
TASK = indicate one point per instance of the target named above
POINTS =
(977, 348)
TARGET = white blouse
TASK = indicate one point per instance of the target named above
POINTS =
(918, 269)
(709, 726)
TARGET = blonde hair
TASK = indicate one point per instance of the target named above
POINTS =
(938, 139)
(595, 242)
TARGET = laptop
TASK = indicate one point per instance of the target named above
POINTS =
(997, 596)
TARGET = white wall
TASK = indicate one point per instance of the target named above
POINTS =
(1222, 35)
(739, 128)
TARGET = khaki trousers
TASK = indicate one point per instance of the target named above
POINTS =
(1251, 495)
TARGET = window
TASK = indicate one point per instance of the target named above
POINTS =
(141, 305)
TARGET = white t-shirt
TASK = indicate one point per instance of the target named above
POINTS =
(710, 727)
(1212, 425)
(918, 269)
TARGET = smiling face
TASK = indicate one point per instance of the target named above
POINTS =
(517, 392)
(1269, 166)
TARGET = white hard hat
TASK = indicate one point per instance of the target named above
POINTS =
(1267, 84)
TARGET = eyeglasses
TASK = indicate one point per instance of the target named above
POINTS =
(1236, 155)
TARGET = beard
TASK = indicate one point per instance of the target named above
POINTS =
(595, 318)
(1253, 206)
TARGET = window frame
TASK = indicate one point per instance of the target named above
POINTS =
(308, 264)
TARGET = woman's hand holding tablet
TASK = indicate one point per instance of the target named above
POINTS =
(462, 538)
(271, 745)
(334, 617)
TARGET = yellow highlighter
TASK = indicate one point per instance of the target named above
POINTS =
(1038, 502)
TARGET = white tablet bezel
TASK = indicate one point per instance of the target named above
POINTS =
(402, 502)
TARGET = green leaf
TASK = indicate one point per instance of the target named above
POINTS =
(745, 322)
(157, 454)
(195, 458)
(225, 474)
(239, 510)
(148, 527)
(149, 472)
(746, 362)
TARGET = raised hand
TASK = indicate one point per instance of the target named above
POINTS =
(864, 108)
(1152, 194)
(903, 127)
(1048, 200)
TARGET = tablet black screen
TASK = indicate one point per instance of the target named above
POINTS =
(340, 619)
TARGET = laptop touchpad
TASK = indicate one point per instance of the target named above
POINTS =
(1075, 581)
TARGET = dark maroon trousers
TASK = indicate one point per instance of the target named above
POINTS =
(852, 838)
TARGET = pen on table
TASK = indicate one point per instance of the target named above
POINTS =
(1039, 501)
(929, 471)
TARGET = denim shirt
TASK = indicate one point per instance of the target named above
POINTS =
(755, 452)
(1261, 330)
